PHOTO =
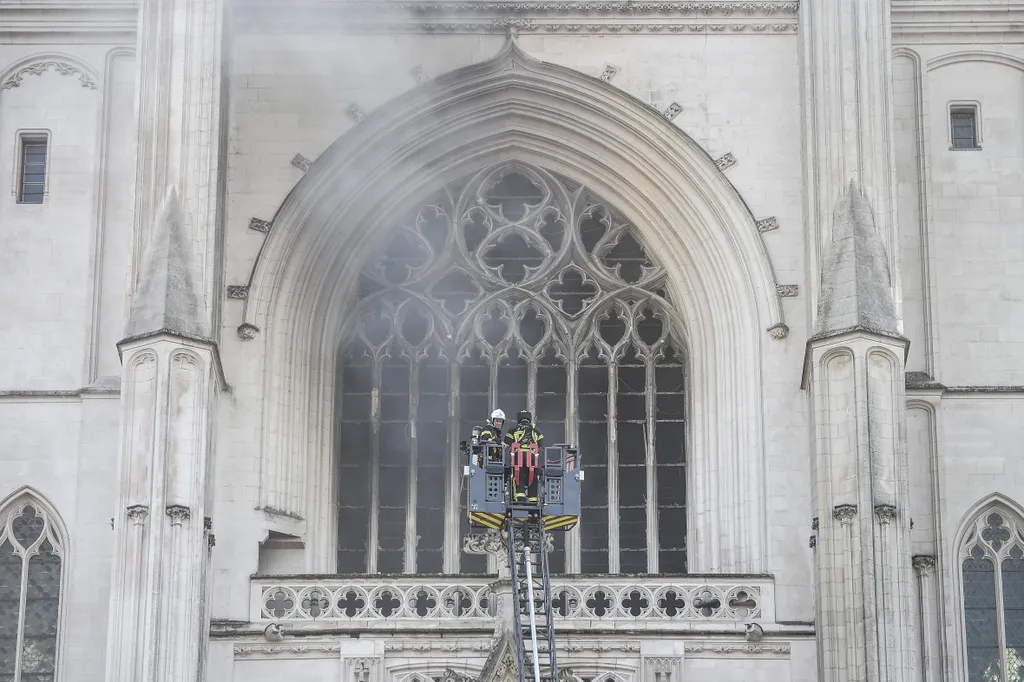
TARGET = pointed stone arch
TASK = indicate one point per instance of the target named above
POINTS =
(514, 107)
(973, 533)
(50, 539)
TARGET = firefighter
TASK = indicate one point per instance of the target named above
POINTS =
(524, 442)
(491, 433)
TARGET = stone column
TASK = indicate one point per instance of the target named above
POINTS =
(181, 141)
(931, 658)
(854, 371)
(846, 58)
(170, 373)
(170, 366)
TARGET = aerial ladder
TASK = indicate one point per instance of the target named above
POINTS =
(526, 528)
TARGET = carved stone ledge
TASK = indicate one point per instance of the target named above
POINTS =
(239, 291)
(787, 290)
(608, 73)
(923, 564)
(260, 225)
(672, 111)
(247, 332)
(514, 25)
(725, 161)
(39, 68)
(302, 163)
(778, 331)
(845, 513)
(886, 513)
(767, 224)
(137, 514)
(419, 75)
(179, 513)
(356, 114)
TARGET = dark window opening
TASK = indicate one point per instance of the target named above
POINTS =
(964, 128)
(32, 174)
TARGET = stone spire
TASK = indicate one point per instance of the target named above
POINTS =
(856, 290)
(166, 299)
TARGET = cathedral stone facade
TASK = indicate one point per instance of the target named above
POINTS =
(266, 262)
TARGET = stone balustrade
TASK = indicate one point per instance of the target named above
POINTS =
(469, 600)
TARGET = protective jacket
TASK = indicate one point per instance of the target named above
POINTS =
(524, 443)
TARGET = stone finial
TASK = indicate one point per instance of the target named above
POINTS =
(855, 280)
(166, 298)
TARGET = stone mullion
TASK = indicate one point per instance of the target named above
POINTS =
(373, 533)
(572, 425)
(924, 567)
(1000, 610)
(412, 496)
(22, 607)
(492, 560)
(651, 457)
(612, 468)
(453, 467)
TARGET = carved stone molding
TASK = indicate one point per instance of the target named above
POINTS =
(609, 72)
(601, 16)
(137, 514)
(287, 651)
(814, 523)
(361, 668)
(813, 541)
(37, 69)
(247, 332)
(778, 331)
(355, 114)
(662, 668)
(740, 649)
(260, 225)
(845, 513)
(179, 513)
(787, 290)
(239, 291)
(725, 161)
(886, 513)
(207, 523)
(302, 163)
(923, 564)
(672, 110)
(767, 224)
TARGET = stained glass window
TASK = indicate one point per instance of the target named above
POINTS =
(31, 560)
(992, 566)
(516, 289)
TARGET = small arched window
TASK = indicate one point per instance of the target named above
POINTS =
(517, 289)
(31, 565)
(992, 563)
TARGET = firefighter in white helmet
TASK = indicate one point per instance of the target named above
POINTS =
(491, 432)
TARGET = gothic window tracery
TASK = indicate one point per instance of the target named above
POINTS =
(520, 290)
(992, 563)
(31, 561)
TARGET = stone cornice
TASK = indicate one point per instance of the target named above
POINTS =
(480, 16)
(924, 21)
(98, 21)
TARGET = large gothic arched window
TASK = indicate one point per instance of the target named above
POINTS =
(31, 562)
(520, 290)
(992, 565)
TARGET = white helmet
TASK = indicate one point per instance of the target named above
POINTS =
(497, 414)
